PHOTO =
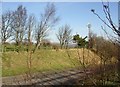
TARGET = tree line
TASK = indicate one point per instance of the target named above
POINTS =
(18, 26)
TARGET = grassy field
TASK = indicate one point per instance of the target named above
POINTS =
(14, 63)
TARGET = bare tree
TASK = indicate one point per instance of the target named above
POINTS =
(48, 20)
(64, 35)
(30, 26)
(6, 31)
(110, 24)
(18, 25)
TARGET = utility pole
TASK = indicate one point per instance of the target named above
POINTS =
(89, 35)
(89, 27)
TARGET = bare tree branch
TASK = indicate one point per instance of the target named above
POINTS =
(19, 24)
(6, 31)
(48, 21)
(64, 35)
(106, 10)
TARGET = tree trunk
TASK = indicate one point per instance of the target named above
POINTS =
(37, 46)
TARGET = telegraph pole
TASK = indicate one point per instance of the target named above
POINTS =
(89, 27)
(89, 35)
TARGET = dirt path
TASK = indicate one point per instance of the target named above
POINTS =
(64, 77)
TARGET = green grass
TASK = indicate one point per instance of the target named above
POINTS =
(14, 63)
